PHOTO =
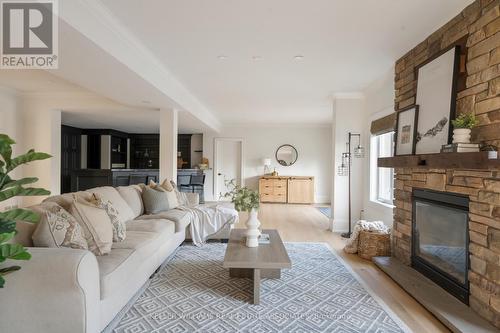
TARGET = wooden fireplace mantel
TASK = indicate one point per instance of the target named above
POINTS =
(477, 160)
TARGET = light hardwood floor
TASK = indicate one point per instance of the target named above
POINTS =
(301, 223)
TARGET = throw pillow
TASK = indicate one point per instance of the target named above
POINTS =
(96, 225)
(182, 199)
(57, 228)
(173, 202)
(155, 200)
(119, 227)
(125, 213)
(167, 185)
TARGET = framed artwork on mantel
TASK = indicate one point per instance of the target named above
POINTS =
(436, 97)
(406, 131)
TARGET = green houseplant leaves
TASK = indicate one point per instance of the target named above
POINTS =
(10, 188)
(243, 198)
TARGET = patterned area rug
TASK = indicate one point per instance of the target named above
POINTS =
(193, 293)
(327, 211)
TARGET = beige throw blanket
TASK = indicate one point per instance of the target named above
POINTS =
(352, 243)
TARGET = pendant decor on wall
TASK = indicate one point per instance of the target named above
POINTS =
(436, 98)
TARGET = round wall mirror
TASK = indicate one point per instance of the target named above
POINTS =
(286, 155)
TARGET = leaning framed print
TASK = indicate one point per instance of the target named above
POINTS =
(406, 131)
(436, 97)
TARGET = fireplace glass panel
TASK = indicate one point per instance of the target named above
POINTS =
(442, 238)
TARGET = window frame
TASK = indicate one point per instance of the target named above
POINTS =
(375, 185)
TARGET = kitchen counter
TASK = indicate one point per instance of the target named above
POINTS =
(85, 179)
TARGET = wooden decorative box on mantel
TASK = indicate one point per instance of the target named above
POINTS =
(287, 189)
(478, 160)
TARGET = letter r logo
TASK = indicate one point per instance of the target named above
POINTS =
(27, 27)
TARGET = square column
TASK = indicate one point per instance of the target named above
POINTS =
(168, 144)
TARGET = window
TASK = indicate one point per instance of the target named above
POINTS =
(381, 179)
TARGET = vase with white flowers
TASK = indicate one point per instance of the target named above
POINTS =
(462, 127)
(246, 200)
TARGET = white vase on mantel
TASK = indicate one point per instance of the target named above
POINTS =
(253, 232)
(461, 135)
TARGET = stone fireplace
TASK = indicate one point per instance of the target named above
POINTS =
(475, 232)
(482, 191)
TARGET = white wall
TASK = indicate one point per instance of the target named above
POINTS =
(347, 117)
(9, 124)
(313, 144)
(379, 102)
(34, 123)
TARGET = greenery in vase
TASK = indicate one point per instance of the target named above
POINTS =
(465, 120)
(10, 188)
(243, 198)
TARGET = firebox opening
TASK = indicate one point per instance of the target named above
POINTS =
(440, 240)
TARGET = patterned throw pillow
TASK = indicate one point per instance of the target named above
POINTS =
(57, 228)
(119, 227)
(96, 225)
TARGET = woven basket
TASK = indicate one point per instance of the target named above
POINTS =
(373, 244)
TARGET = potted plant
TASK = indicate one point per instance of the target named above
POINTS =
(10, 188)
(462, 127)
(246, 200)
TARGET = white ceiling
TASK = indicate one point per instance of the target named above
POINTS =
(166, 52)
(346, 45)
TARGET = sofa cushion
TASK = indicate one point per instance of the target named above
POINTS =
(125, 257)
(57, 228)
(115, 268)
(145, 242)
(111, 194)
(96, 225)
(179, 217)
(155, 200)
(152, 225)
(132, 195)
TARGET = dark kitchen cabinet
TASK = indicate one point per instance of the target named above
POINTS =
(71, 152)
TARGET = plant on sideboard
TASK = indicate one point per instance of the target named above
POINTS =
(10, 188)
(246, 200)
(462, 127)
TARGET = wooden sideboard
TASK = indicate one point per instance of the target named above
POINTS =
(287, 189)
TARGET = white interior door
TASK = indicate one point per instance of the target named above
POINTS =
(228, 164)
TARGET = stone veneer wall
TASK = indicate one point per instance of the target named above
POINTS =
(483, 189)
(476, 28)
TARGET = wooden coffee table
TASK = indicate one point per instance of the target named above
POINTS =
(264, 261)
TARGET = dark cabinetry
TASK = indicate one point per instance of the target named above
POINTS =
(184, 148)
(71, 150)
(145, 151)
(106, 148)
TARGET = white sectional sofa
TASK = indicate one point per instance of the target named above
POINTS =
(68, 290)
